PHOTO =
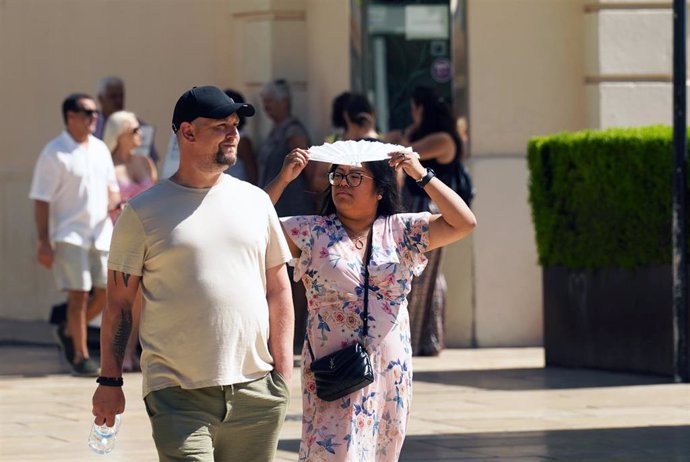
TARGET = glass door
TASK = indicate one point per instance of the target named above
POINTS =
(407, 43)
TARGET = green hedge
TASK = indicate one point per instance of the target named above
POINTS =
(602, 198)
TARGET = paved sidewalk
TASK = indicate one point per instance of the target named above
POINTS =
(469, 405)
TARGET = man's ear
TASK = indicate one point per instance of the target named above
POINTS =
(188, 132)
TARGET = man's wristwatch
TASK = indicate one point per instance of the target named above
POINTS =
(110, 381)
(423, 181)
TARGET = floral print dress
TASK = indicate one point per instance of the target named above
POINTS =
(369, 424)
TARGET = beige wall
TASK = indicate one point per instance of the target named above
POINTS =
(328, 63)
(298, 41)
(52, 48)
(526, 78)
(458, 269)
(629, 63)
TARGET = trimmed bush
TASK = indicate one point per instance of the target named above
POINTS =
(603, 198)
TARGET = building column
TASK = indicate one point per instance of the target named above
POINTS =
(628, 63)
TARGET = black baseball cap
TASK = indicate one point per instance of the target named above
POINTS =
(207, 101)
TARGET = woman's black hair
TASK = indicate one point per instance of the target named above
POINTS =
(339, 103)
(437, 116)
(359, 110)
(386, 185)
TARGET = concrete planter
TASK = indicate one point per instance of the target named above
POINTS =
(609, 318)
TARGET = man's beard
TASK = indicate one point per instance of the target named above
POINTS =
(223, 159)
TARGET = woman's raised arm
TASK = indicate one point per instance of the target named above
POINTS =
(456, 220)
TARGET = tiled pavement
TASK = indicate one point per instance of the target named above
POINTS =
(469, 405)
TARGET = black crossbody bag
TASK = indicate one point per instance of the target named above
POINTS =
(348, 370)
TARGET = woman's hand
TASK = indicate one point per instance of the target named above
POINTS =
(409, 163)
(293, 164)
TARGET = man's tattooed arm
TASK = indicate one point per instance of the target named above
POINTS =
(121, 335)
(125, 277)
(118, 319)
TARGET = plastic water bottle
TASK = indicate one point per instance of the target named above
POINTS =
(102, 437)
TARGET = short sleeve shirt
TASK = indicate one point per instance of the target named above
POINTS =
(203, 256)
(74, 179)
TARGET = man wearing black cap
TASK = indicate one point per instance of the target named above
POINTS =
(217, 319)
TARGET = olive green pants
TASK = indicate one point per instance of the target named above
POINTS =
(238, 422)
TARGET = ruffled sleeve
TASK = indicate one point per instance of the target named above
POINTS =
(412, 231)
(299, 231)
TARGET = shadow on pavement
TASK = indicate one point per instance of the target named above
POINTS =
(37, 360)
(537, 378)
(31, 360)
(641, 444)
(30, 349)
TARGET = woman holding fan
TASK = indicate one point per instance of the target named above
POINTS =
(360, 247)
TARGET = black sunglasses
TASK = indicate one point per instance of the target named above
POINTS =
(87, 112)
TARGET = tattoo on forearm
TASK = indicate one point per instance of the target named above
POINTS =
(122, 333)
(125, 277)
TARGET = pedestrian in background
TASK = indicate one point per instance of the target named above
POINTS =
(360, 118)
(338, 117)
(217, 318)
(73, 188)
(110, 92)
(287, 133)
(433, 134)
(135, 173)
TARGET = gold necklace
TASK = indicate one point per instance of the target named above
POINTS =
(359, 239)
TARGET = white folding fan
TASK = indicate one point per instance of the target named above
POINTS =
(355, 152)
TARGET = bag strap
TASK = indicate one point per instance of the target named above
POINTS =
(365, 328)
(367, 259)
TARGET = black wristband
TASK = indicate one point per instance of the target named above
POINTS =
(423, 181)
(110, 381)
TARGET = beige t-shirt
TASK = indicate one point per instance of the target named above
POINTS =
(203, 255)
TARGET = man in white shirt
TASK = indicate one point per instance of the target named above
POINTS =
(73, 188)
(217, 319)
